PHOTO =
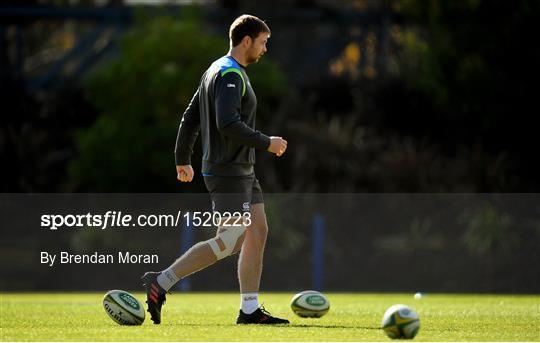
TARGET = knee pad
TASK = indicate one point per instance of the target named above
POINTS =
(229, 235)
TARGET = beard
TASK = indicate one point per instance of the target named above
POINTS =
(252, 60)
(252, 57)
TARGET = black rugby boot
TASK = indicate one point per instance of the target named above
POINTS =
(260, 316)
(155, 295)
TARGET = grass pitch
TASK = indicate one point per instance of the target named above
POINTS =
(211, 317)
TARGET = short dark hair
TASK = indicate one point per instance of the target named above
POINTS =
(246, 25)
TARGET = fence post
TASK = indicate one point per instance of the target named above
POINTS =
(186, 241)
(318, 252)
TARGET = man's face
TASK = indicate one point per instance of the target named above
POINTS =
(257, 48)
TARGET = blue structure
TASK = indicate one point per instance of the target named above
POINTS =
(186, 241)
(318, 252)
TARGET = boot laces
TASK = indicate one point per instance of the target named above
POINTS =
(263, 310)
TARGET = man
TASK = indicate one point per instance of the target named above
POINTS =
(223, 109)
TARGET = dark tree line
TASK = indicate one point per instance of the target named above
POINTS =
(426, 97)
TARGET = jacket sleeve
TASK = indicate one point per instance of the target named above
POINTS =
(188, 132)
(228, 99)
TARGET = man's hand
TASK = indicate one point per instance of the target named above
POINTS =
(277, 146)
(184, 173)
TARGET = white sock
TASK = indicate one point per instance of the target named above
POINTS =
(167, 279)
(249, 302)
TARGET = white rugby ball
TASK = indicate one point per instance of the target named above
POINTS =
(400, 321)
(123, 307)
(310, 304)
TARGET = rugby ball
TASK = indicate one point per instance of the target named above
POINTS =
(123, 308)
(400, 321)
(310, 304)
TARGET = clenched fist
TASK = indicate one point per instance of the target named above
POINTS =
(184, 173)
(277, 145)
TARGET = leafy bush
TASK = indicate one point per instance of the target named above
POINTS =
(141, 96)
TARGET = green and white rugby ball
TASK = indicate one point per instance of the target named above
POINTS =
(400, 321)
(123, 308)
(310, 304)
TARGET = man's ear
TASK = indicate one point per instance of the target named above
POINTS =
(246, 41)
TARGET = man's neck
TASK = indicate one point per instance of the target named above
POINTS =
(239, 56)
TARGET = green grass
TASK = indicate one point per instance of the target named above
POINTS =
(211, 317)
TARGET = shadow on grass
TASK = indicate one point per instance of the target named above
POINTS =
(283, 326)
(332, 327)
